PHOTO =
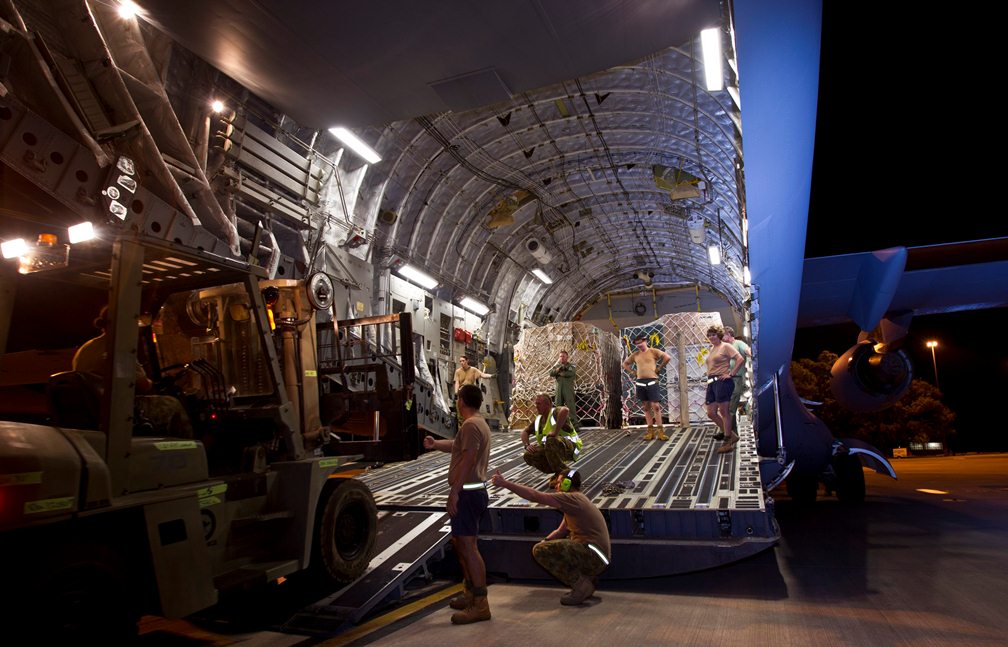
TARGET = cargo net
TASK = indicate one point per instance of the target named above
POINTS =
(684, 337)
(595, 355)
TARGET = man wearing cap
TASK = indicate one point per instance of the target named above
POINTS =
(648, 361)
(467, 501)
(578, 550)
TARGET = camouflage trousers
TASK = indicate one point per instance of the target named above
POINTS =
(552, 456)
(567, 560)
(166, 414)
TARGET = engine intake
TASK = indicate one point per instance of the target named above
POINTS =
(865, 379)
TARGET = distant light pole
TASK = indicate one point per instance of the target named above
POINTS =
(932, 344)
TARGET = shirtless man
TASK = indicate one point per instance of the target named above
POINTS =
(721, 371)
(649, 361)
(467, 502)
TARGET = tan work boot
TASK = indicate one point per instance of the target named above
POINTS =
(463, 600)
(650, 433)
(478, 611)
(661, 433)
(581, 591)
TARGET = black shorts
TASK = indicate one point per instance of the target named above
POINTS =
(719, 391)
(471, 506)
(647, 390)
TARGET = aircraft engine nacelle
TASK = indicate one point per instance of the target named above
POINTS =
(866, 379)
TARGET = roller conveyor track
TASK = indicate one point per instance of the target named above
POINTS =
(683, 473)
(671, 506)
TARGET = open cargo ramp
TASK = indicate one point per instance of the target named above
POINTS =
(672, 507)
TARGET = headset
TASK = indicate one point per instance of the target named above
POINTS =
(565, 482)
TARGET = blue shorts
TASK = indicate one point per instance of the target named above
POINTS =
(720, 390)
(647, 390)
(471, 506)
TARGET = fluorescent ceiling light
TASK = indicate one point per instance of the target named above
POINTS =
(542, 276)
(80, 233)
(14, 248)
(127, 9)
(472, 305)
(710, 43)
(356, 145)
(714, 254)
(422, 279)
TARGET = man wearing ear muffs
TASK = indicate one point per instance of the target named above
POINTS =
(578, 550)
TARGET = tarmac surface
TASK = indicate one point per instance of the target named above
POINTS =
(923, 561)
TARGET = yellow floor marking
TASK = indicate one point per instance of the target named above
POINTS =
(390, 617)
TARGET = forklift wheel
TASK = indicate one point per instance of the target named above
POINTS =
(347, 530)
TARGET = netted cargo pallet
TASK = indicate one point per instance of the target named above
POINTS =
(595, 355)
(683, 336)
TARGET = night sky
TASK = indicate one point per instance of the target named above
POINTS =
(897, 162)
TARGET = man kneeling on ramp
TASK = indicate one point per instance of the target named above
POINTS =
(578, 550)
(556, 441)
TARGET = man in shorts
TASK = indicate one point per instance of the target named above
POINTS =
(467, 502)
(721, 371)
(740, 376)
(649, 361)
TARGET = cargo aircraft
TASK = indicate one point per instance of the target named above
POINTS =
(523, 163)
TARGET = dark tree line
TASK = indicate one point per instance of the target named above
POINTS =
(919, 416)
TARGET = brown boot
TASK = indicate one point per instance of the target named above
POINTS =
(650, 433)
(463, 600)
(581, 591)
(661, 433)
(477, 612)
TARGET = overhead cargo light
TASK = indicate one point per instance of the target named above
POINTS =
(710, 43)
(714, 254)
(542, 276)
(127, 9)
(217, 106)
(80, 233)
(356, 145)
(472, 305)
(697, 226)
(14, 248)
(414, 275)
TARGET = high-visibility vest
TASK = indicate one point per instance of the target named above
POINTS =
(543, 429)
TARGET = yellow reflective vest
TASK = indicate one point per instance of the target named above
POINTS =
(543, 429)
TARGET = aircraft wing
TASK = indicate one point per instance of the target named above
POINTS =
(918, 280)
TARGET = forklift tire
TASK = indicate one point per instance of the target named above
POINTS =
(850, 483)
(345, 536)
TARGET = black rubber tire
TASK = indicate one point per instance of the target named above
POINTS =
(850, 482)
(802, 488)
(346, 531)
